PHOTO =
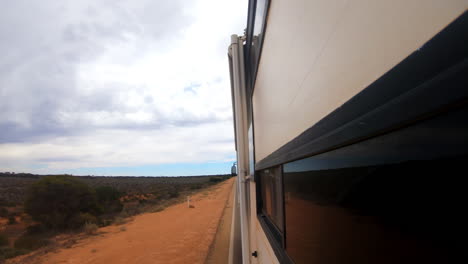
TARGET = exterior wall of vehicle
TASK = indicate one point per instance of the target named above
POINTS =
(259, 241)
(318, 54)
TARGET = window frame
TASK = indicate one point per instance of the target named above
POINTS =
(253, 55)
(276, 237)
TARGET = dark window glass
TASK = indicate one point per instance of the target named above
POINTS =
(403, 213)
(259, 16)
(255, 34)
(272, 195)
(397, 198)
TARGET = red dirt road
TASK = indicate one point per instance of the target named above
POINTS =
(176, 235)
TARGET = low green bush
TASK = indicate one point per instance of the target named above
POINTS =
(173, 193)
(79, 220)
(196, 186)
(90, 228)
(119, 220)
(215, 179)
(36, 229)
(7, 252)
(11, 220)
(130, 211)
(58, 201)
(105, 222)
(3, 212)
(108, 199)
(30, 242)
(3, 240)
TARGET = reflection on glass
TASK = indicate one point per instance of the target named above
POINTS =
(259, 14)
(402, 213)
(257, 32)
(272, 195)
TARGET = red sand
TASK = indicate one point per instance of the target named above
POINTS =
(176, 235)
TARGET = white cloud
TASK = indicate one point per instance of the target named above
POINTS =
(116, 83)
(108, 148)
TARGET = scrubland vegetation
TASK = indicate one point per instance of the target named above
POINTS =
(34, 209)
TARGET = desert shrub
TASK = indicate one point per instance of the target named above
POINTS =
(55, 200)
(105, 222)
(173, 193)
(107, 193)
(108, 199)
(11, 220)
(157, 209)
(3, 240)
(130, 211)
(30, 242)
(196, 187)
(79, 220)
(89, 218)
(3, 212)
(36, 229)
(215, 179)
(119, 220)
(90, 228)
(7, 252)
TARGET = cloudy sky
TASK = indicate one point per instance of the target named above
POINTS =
(117, 87)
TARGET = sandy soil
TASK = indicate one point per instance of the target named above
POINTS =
(176, 235)
(219, 250)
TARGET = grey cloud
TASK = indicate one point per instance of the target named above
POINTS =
(51, 115)
(14, 133)
(62, 158)
(42, 43)
(149, 99)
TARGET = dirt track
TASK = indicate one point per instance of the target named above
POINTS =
(176, 235)
(219, 251)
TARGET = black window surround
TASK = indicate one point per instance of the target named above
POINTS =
(271, 191)
(255, 33)
(276, 235)
(430, 82)
(257, 17)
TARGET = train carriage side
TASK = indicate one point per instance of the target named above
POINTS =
(351, 131)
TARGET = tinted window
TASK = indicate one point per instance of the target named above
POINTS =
(272, 195)
(255, 34)
(396, 198)
(403, 213)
